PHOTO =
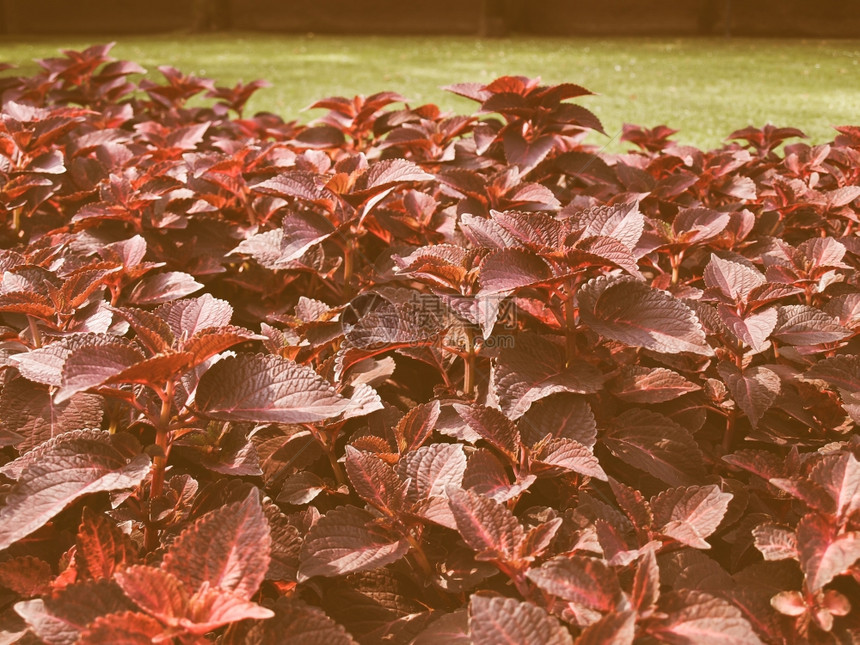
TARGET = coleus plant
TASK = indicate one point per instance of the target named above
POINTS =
(400, 375)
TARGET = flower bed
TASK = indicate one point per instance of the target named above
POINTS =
(399, 375)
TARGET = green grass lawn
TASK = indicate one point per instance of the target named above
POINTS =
(706, 88)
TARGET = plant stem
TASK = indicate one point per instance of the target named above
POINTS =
(337, 470)
(729, 435)
(420, 556)
(348, 263)
(34, 332)
(569, 329)
(469, 365)
(676, 260)
(159, 462)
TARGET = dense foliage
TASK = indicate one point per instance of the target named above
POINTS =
(399, 376)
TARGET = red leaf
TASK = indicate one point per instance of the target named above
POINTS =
(416, 426)
(656, 444)
(824, 552)
(228, 548)
(637, 384)
(802, 325)
(344, 541)
(61, 618)
(733, 279)
(697, 225)
(208, 342)
(753, 328)
(375, 481)
(585, 581)
(486, 475)
(150, 328)
(89, 367)
(697, 618)
(618, 628)
(841, 371)
(534, 369)
(493, 426)
(689, 515)
(775, 542)
(789, 603)
(26, 575)
(537, 231)
(539, 539)
(30, 411)
(431, 469)
(45, 365)
(839, 475)
(754, 389)
(524, 154)
(561, 416)
(296, 623)
(634, 505)
(452, 629)
(163, 287)
(124, 628)
(267, 388)
(210, 609)
(633, 313)
(560, 455)
(393, 171)
(102, 548)
(488, 527)
(301, 231)
(646, 584)
(622, 222)
(61, 470)
(601, 251)
(506, 620)
(506, 270)
(156, 591)
(189, 316)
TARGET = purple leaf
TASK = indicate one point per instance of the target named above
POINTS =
(586, 581)
(506, 270)
(344, 540)
(488, 527)
(60, 619)
(557, 456)
(824, 552)
(227, 548)
(267, 388)
(189, 316)
(561, 416)
(755, 389)
(534, 369)
(656, 444)
(375, 481)
(633, 313)
(694, 617)
(689, 515)
(734, 280)
(507, 620)
(416, 426)
(637, 384)
(493, 426)
(803, 325)
(775, 542)
(163, 287)
(60, 471)
(432, 469)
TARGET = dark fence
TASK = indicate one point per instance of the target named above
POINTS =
(822, 18)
